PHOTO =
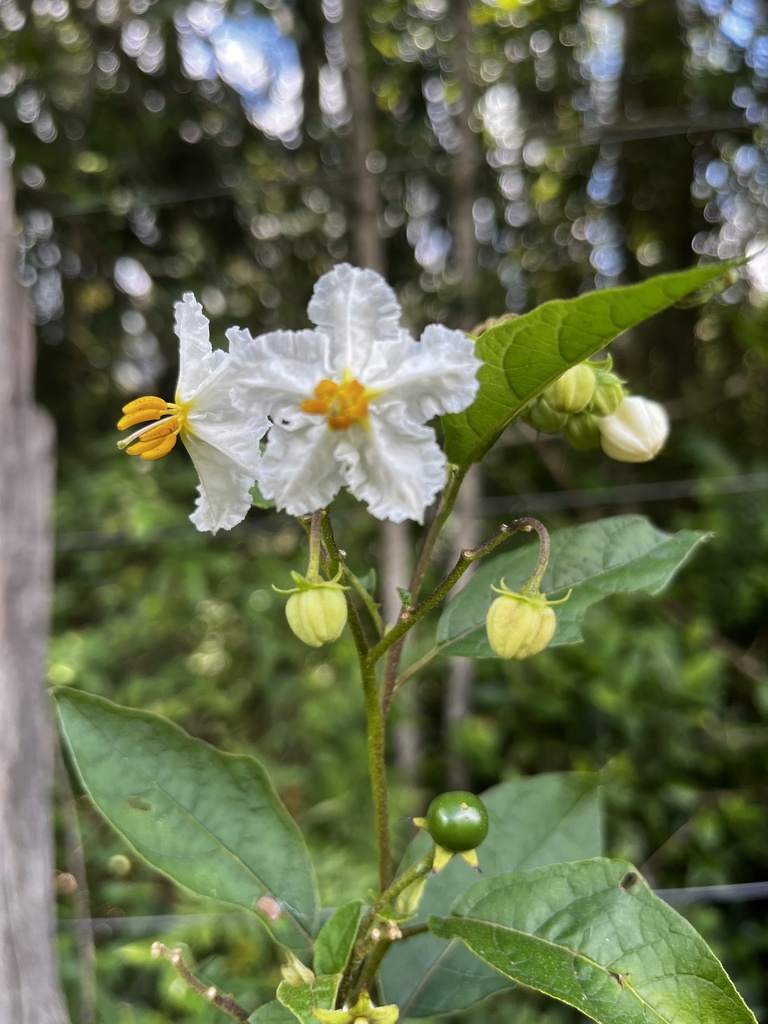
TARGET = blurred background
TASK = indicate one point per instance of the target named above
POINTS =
(485, 157)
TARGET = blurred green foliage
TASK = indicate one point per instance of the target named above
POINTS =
(620, 139)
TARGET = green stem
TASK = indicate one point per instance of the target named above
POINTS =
(533, 585)
(367, 599)
(377, 765)
(410, 616)
(417, 870)
(416, 667)
(334, 553)
(377, 768)
(313, 569)
(444, 508)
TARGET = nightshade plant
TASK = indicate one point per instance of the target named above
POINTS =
(346, 405)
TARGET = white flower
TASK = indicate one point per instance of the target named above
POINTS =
(636, 432)
(223, 442)
(349, 400)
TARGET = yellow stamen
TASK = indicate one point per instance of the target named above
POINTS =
(341, 404)
(142, 409)
(154, 440)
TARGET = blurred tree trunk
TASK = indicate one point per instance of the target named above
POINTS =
(465, 527)
(29, 987)
(369, 252)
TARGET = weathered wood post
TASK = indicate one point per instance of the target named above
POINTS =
(29, 987)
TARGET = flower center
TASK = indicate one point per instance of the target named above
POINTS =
(341, 404)
(154, 440)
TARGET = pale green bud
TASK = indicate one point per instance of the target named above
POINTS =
(582, 431)
(540, 415)
(316, 609)
(519, 625)
(573, 390)
(609, 389)
(607, 398)
(317, 616)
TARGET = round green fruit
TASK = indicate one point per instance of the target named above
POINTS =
(457, 821)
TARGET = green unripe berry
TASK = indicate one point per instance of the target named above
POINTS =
(573, 390)
(457, 821)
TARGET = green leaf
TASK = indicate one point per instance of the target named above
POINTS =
(273, 1013)
(523, 356)
(533, 821)
(258, 500)
(594, 936)
(301, 1000)
(617, 555)
(210, 821)
(336, 938)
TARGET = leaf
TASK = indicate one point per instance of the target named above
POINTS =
(258, 500)
(523, 356)
(301, 1000)
(336, 938)
(594, 936)
(273, 1013)
(210, 821)
(533, 821)
(622, 554)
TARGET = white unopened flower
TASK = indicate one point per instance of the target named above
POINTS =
(223, 443)
(636, 432)
(349, 400)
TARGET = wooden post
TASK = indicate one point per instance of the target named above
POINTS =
(29, 987)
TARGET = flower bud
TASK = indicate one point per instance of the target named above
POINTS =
(636, 432)
(519, 625)
(573, 390)
(582, 431)
(317, 616)
(609, 393)
(316, 609)
(540, 415)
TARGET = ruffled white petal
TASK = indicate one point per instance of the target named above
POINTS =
(397, 467)
(224, 491)
(298, 469)
(391, 460)
(354, 308)
(433, 376)
(277, 371)
(222, 441)
(195, 350)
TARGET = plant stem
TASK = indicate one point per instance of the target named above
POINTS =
(377, 765)
(410, 616)
(313, 569)
(210, 993)
(534, 583)
(417, 870)
(377, 768)
(444, 508)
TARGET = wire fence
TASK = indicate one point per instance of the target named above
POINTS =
(105, 927)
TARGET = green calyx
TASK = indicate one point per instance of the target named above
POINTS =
(311, 582)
